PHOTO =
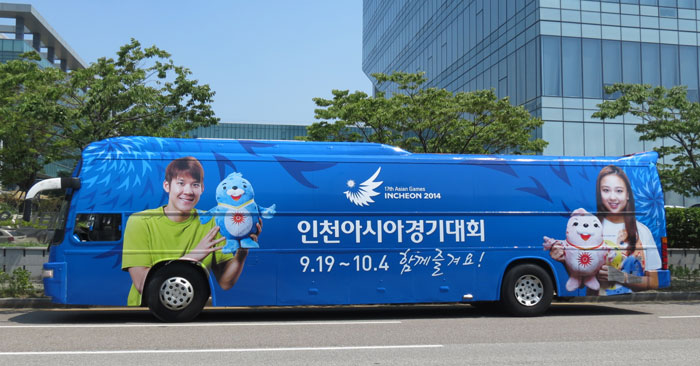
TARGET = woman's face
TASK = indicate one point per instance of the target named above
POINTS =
(613, 192)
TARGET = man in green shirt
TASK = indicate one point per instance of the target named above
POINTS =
(174, 232)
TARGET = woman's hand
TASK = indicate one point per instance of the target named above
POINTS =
(603, 277)
(556, 249)
(205, 246)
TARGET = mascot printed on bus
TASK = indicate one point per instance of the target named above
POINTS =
(585, 251)
(237, 213)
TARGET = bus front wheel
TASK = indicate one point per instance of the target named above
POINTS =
(177, 292)
(527, 290)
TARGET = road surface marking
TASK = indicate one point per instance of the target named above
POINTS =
(679, 317)
(224, 350)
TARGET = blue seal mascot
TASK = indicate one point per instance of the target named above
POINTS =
(236, 213)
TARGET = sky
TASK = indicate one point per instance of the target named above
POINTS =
(265, 59)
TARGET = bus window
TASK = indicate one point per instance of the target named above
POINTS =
(98, 227)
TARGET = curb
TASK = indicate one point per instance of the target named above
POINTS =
(35, 303)
(45, 302)
(642, 297)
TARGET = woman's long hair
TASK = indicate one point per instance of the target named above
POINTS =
(628, 213)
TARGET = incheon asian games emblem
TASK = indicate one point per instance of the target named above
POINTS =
(362, 195)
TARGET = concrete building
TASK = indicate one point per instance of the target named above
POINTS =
(551, 56)
(27, 30)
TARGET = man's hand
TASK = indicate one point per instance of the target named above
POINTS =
(255, 235)
(205, 246)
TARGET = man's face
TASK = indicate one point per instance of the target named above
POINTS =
(183, 193)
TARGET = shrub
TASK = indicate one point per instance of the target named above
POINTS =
(16, 284)
(683, 227)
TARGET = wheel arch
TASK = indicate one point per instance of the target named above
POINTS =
(538, 261)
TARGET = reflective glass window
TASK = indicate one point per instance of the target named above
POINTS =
(650, 64)
(592, 73)
(669, 66)
(612, 63)
(501, 11)
(551, 66)
(689, 71)
(649, 2)
(690, 4)
(631, 63)
(503, 88)
(571, 67)
(521, 74)
(494, 76)
(632, 143)
(668, 12)
(573, 138)
(553, 133)
(532, 66)
(614, 139)
(512, 81)
(593, 139)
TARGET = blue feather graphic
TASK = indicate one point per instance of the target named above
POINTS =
(249, 145)
(561, 173)
(223, 162)
(538, 190)
(501, 167)
(297, 168)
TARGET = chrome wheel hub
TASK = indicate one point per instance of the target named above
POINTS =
(176, 293)
(529, 290)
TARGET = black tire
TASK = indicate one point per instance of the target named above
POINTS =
(527, 290)
(177, 292)
(5, 215)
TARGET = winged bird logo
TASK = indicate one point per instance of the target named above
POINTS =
(362, 195)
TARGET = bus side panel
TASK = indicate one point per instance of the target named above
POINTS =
(374, 277)
(358, 229)
(256, 286)
(497, 263)
(92, 279)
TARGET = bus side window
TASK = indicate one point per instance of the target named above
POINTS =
(98, 227)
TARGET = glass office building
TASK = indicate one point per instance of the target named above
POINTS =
(551, 56)
(249, 131)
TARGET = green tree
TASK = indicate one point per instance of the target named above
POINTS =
(666, 113)
(30, 110)
(429, 120)
(51, 114)
(142, 92)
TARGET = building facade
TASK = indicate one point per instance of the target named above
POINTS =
(253, 131)
(23, 29)
(551, 56)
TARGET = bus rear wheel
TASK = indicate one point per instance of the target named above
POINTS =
(177, 292)
(527, 290)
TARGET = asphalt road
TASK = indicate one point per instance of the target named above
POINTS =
(571, 334)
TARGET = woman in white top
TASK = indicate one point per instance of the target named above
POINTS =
(615, 204)
(616, 211)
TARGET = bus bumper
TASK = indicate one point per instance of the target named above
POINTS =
(54, 275)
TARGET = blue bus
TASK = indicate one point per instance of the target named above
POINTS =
(173, 223)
